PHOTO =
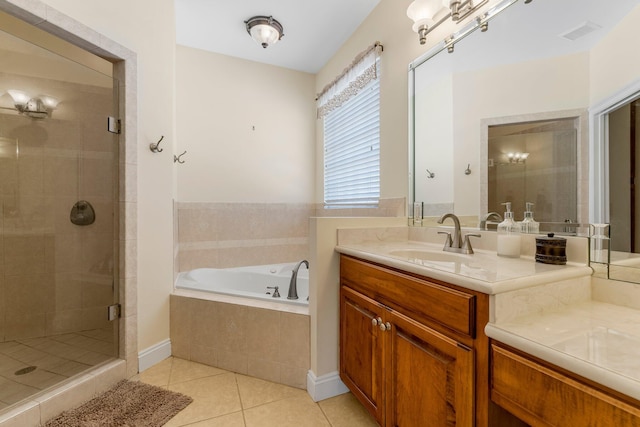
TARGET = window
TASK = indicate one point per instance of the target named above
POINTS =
(352, 151)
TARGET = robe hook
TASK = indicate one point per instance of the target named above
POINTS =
(178, 158)
(155, 147)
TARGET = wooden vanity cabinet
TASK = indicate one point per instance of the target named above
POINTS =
(541, 394)
(410, 348)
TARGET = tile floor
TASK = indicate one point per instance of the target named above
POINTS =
(226, 399)
(56, 358)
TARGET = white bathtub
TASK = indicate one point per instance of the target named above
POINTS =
(248, 282)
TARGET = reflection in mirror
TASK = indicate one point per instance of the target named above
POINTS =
(624, 204)
(536, 163)
(535, 58)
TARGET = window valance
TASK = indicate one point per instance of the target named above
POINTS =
(356, 76)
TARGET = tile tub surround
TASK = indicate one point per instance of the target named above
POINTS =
(221, 235)
(267, 344)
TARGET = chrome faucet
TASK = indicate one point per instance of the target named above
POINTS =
(488, 217)
(455, 244)
(293, 284)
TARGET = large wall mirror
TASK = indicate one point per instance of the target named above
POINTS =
(525, 86)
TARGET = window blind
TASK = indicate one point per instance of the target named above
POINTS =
(352, 151)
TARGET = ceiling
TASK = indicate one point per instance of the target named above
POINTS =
(313, 30)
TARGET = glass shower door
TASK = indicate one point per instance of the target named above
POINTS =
(59, 222)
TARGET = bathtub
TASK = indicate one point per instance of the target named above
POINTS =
(248, 283)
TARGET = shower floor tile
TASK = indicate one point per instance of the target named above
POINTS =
(56, 358)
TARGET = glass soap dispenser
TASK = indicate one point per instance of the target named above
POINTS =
(508, 235)
(528, 224)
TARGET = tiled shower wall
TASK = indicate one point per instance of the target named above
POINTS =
(56, 277)
(221, 235)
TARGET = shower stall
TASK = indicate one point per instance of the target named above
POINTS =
(58, 212)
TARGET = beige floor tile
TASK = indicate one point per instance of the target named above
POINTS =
(159, 374)
(255, 392)
(231, 420)
(212, 397)
(345, 411)
(184, 370)
(292, 412)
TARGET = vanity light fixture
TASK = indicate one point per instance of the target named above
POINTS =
(518, 157)
(39, 107)
(428, 14)
(264, 30)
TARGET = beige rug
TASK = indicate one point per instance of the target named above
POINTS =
(128, 403)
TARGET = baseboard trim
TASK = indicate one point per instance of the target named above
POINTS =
(154, 354)
(325, 386)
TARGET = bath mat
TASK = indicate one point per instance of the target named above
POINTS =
(128, 403)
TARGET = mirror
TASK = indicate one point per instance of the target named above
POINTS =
(534, 63)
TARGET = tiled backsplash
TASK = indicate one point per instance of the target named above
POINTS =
(221, 235)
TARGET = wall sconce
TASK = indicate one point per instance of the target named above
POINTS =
(428, 14)
(517, 157)
(35, 107)
(264, 30)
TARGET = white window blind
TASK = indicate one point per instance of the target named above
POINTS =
(352, 151)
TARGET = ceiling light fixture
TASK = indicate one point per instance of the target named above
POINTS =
(264, 30)
(39, 107)
(428, 14)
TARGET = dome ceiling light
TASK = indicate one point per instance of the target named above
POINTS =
(264, 30)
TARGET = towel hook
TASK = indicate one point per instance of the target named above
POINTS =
(155, 147)
(430, 174)
(178, 158)
(467, 171)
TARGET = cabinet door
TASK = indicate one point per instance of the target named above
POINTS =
(430, 377)
(361, 350)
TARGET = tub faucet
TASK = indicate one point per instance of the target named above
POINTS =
(488, 217)
(455, 244)
(293, 284)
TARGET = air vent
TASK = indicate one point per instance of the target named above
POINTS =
(580, 31)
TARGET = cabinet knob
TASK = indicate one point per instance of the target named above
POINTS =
(375, 321)
(385, 326)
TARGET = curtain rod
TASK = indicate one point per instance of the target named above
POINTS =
(357, 59)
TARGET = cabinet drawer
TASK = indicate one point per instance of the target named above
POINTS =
(417, 298)
(540, 395)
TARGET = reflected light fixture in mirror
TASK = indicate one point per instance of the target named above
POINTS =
(264, 30)
(428, 14)
(38, 107)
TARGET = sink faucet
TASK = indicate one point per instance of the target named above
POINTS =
(293, 284)
(488, 217)
(455, 244)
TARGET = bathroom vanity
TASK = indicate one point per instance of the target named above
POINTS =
(428, 339)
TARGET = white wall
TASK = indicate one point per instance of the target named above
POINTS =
(248, 129)
(146, 27)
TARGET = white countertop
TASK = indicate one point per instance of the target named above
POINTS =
(596, 340)
(483, 271)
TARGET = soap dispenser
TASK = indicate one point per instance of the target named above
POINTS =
(508, 235)
(528, 224)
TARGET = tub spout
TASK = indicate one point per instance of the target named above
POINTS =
(293, 285)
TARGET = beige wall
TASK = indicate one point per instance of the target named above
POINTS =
(248, 129)
(613, 64)
(146, 27)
